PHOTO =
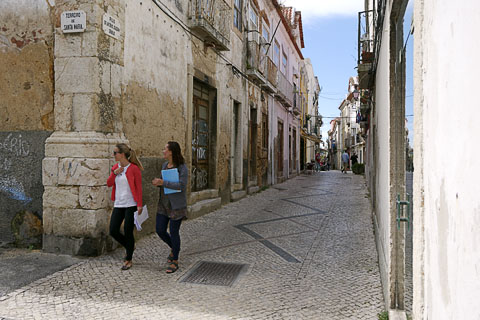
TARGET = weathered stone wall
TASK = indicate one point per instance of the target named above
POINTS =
(26, 115)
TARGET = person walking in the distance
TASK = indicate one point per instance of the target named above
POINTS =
(126, 180)
(172, 208)
(354, 159)
(345, 159)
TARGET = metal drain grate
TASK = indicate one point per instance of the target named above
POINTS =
(214, 273)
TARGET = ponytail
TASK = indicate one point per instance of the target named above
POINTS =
(133, 159)
(130, 154)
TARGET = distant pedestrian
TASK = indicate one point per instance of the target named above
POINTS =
(126, 180)
(345, 159)
(318, 159)
(172, 208)
(354, 159)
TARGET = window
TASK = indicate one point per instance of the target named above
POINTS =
(253, 20)
(284, 64)
(237, 14)
(265, 39)
(276, 54)
(264, 131)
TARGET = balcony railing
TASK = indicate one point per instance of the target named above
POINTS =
(297, 100)
(285, 90)
(272, 71)
(366, 50)
(255, 63)
(211, 20)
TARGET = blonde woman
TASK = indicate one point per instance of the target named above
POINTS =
(126, 180)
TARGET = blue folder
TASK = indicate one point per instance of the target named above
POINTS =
(170, 175)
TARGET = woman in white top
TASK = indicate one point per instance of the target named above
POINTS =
(126, 180)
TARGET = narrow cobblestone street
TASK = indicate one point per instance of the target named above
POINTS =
(308, 245)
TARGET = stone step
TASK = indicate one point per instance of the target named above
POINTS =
(252, 190)
(237, 195)
(200, 208)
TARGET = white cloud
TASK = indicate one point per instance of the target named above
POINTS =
(323, 8)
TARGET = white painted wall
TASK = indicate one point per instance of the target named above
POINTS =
(382, 150)
(451, 211)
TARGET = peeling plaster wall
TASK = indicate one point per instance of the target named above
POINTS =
(154, 88)
(452, 207)
(155, 79)
(26, 115)
(26, 65)
(156, 96)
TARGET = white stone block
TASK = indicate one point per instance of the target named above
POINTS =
(90, 43)
(68, 45)
(50, 171)
(63, 112)
(60, 197)
(82, 144)
(83, 172)
(77, 75)
(85, 112)
(94, 197)
(76, 222)
(98, 222)
(47, 220)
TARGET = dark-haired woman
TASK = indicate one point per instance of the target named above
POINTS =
(172, 208)
(126, 180)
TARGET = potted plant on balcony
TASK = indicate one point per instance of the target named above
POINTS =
(367, 57)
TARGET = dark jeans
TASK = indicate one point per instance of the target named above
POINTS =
(172, 239)
(127, 240)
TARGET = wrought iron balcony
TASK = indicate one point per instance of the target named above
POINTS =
(255, 63)
(270, 73)
(365, 47)
(210, 20)
(285, 91)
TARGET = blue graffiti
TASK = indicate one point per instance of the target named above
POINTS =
(14, 190)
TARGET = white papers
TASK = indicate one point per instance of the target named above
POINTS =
(139, 219)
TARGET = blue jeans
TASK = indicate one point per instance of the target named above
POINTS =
(172, 239)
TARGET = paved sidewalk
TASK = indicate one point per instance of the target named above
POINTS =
(308, 244)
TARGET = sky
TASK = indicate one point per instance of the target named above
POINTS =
(330, 34)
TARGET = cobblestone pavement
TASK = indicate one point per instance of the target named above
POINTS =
(308, 244)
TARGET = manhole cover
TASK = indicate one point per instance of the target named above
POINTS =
(214, 273)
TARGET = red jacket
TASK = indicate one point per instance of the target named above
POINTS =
(134, 178)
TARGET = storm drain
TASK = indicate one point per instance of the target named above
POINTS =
(214, 273)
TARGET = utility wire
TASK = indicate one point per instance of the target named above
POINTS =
(185, 28)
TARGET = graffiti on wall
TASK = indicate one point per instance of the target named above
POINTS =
(199, 177)
(12, 148)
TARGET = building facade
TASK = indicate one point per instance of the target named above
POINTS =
(445, 210)
(142, 73)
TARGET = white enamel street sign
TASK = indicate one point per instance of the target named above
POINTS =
(73, 21)
(111, 26)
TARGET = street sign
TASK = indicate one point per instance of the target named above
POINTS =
(111, 26)
(73, 21)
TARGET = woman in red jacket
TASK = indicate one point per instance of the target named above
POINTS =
(126, 180)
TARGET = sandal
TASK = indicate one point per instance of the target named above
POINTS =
(172, 267)
(127, 265)
(170, 258)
